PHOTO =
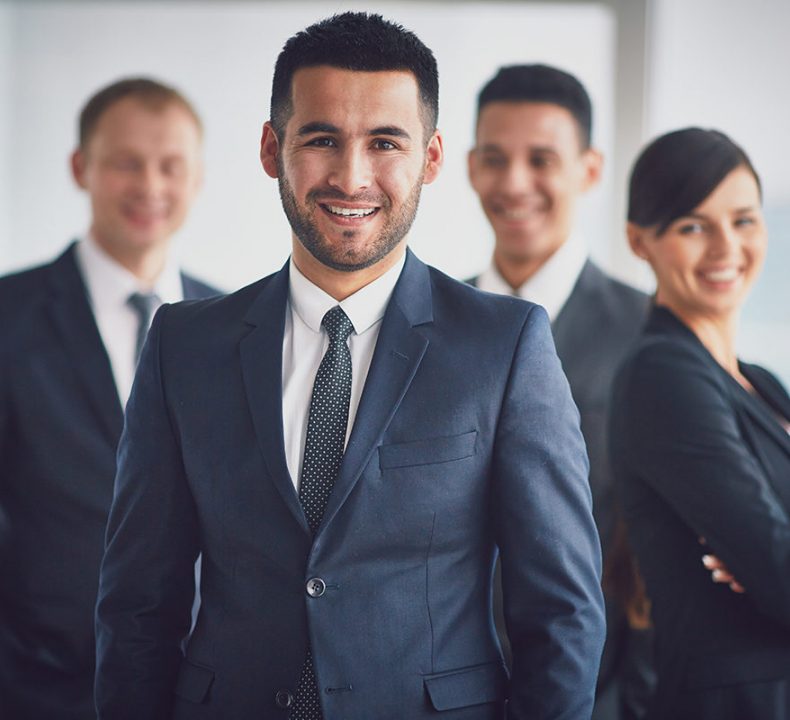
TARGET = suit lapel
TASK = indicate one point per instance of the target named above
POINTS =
(399, 350)
(566, 328)
(195, 290)
(759, 411)
(261, 363)
(663, 321)
(75, 324)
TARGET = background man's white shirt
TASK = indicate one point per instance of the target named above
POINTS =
(109, 286)
(551, 285)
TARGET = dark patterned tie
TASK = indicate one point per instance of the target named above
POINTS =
(144, 305)
(323, 453)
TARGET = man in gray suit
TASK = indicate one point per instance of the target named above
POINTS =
(531, 162)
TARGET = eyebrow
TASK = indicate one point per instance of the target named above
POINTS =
(325, 127)
(391, 130)
(493, 147)
(317, 127)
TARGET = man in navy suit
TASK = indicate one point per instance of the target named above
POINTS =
(69, 334)
(348, 442)
(531, 163)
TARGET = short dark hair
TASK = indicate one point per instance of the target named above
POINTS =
(540, 84)
(151, 93)
(677, 171)
(363, 42)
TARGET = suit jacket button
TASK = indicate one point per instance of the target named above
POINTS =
(316, 587)
(283, 699)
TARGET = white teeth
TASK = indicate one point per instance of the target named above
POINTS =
(350, 212)
(721, 275)
(518, 214)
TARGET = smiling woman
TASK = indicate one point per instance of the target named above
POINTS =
(699, 440)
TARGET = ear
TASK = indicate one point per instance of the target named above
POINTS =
(270, 147)
(434, 158)
(636, 239)
(78, 165)
(592, 161)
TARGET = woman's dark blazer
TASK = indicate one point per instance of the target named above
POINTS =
(697, 456)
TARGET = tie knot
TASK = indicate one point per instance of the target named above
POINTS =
(143, 304)
(337, 324)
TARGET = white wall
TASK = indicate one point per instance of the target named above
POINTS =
(221, 54)
(6, 56)
(723, 64)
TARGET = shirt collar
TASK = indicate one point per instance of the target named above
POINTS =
(109, 283)
(551, 285)
(364, 308)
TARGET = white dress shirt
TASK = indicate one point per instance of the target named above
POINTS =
(305, 342)
(551, 285)
(109, 286)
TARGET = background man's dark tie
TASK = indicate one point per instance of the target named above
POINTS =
(144, 305)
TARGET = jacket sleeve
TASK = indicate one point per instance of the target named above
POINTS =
(146, 586)
(682, 437)
(551, 558)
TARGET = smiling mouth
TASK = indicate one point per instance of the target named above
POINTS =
(519, 214)
(721, 276)
(351, 213)
(145, 215)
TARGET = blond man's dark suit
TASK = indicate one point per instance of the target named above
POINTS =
(60, 421)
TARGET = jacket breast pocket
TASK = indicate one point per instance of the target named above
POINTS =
(428, 451)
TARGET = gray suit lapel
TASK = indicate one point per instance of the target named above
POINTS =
(569, 325)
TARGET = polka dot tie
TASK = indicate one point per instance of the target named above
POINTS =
(323, 453)
(144, 305)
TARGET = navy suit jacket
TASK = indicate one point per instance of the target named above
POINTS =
(593, 332)
(466, 438)
(60, 421)
(699, 456)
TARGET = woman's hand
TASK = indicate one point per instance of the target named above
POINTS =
(719, 572)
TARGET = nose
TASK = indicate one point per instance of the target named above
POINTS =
(352, 171)
(517, 179)
(151, 180)
(724, 240)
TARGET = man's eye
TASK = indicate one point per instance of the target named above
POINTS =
(494, 161)
(173, 167)
(124, 163)
(540, 161)
(322, 142)
(385, 145)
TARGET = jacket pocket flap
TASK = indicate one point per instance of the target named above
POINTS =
(425, 452)
(735, 668)
(467, 686)
(193, 682)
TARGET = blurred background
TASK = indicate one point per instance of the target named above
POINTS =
(649, 65)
